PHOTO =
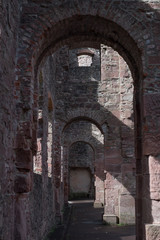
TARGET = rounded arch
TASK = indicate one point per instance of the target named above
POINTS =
(83, 118)
(92, 27)
(50, 35)
(80, 29)
(83, 141)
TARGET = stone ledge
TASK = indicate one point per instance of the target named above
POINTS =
(97, 204)
(110, 219)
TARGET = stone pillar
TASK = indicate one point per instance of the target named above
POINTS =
(21, 228)
(112, 188)
(127, 195)
(99, 192)
(22, 187)
(99, 178)
(151, 165)
(151, 208)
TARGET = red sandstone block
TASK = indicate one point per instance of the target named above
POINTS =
(151, 144)
(24, 159)
(112, 181)
(154, 165)
(116, 113)
(20, 141)
(27, 129)
(22, 183)
(128, 168)
(113, 168)
(113, 160)
(127, 209)
(154, 182)
(39, 146)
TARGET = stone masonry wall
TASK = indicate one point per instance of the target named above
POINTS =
(117, 103)
(81, 156)
(104, 90)
(42, 206)
(132, 28)
(105, 93)
(85, 131)
(9, 22)
(79, 95)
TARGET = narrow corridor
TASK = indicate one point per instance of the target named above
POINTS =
(86, 223)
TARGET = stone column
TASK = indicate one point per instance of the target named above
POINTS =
(99, 178)
(151, 166)
(151, 207)
(22, 186)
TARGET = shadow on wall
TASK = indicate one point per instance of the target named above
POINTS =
(114, 152)
(144, 12)
(109, 166)
(42, 206)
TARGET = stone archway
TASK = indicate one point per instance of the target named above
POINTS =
(84, 130)
(108, 28)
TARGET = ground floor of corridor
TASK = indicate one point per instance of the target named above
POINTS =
(85, 223)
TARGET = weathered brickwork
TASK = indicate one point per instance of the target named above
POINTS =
(105, 97)
(9, 19)
(31, 32)
(81, 161)
(85, 131)
(41, 203)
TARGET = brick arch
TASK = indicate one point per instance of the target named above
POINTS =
(88, 140)
(80, 28)
(81, 136)
(88, 117)
(42, 27)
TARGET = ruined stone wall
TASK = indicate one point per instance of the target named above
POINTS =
(99, 82)
(42, 206)
(9, 22)
(132, 28)
(81, 161)
(85, 131)
(116, 99)
(81, 155)
(75, 85)
(81, 82)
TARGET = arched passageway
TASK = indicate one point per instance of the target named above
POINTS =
(91, 38)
